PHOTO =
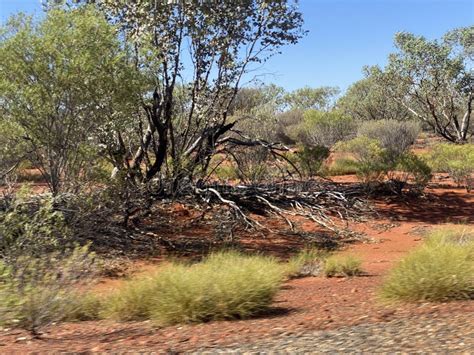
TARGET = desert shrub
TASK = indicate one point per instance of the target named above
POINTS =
(32, 225)
(308, 262)
(226, 172)
(13, 148)
(83, 306)
(343, 166)
(394, 137)
(288, 123)
(369, 156)
(224, 286)
(35, 292)
(452, 234)
(134, 300)
(342, 266)
(440, 270)
(375, 163)
(325, 128)
(310, 159)
(252, 164)
(411, 166)
(456, 160)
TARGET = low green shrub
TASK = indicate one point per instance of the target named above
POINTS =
(374, 163)
(35, 292)
(252, 165)
(310, 159)
(411, 166)
(225, 285)
(440, 270)
(31, 225)
(456, 160)
(395, 137)
(369, 157)
(308, 262)
(342, 266)
(83, 306)
(451, 234)
(134, 300)
(325, 129)
(343, 166)
(226, 172)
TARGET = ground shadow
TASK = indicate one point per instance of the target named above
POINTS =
(434, 208)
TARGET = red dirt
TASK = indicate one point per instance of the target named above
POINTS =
(304, 304)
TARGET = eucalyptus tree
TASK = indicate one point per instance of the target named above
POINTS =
(367, 100)
(308, 98)
(200, 51)
(61, 80)
(434, 80)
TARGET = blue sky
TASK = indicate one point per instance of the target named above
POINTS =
(344, 35)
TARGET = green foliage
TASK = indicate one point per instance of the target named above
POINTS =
(414, 167)
(60, 80)
(36, 292)
(311, 98)
(452, 234)
(31, 225)
(253, 164)
(310, 159)
(13, 149)
(369, 155)
(288, 126)
(381, 151)
(226, 172)
(440, 270)
(343, 166)
(325, 128)
(225, 285)
(83, 306)
(342, 266)
(134, 300)
(367, 100)
(394, 137)
(433, 79)
(456, 160)
(307, 262)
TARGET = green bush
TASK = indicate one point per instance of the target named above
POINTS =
(394, 137)
(412, 166)
(134, 300)
(456, 160)
(310, 159)
(375, 163)
(452, 234)
(224, 286)
(369, 157)
(440, 270)
(343, 166)
(342, 266)
(308, 262)
(36, 292)
(226, 172)
(325, 129)
(31, 225)
(253, 164)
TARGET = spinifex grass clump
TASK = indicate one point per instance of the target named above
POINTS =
(440, 270)
(308, 262)
(225, 285)
(342, 266)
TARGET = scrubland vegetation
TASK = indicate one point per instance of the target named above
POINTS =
(440, 270)
(93, 100)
